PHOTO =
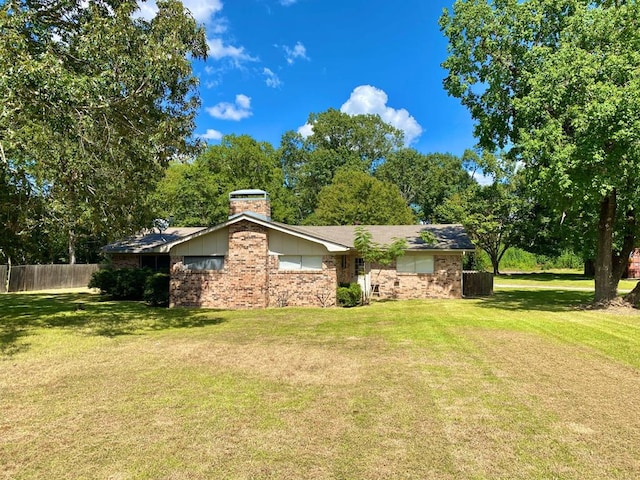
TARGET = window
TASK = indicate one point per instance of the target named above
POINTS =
(204, 263)
(415, 264)
(157, 263)
(300, 262)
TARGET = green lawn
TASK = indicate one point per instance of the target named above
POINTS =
(557, 279)
(521, 385)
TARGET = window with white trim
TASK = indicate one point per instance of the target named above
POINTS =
(300, 262)
(415, 264)
(213, 262)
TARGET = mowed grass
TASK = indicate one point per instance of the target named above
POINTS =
(563, 279)
(522, 385)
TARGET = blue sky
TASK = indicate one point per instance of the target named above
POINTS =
(272, 62)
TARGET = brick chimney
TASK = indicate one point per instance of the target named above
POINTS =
(255, 201)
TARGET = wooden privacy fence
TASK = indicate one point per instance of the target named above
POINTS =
(25, 278)
(3, 279)
(477, 284)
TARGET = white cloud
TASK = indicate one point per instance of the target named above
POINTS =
(210, 134)
(286, 3)
(218, 50)
(297, 52)
(306, 130)
(232, 111)
(202, 10)
(367, 99)
(272, 79)
(206, 12)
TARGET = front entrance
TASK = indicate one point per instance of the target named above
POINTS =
(363, 276)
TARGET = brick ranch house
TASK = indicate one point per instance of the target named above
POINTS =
(250, 261)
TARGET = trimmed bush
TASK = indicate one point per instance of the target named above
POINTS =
(349, 295)
(121, 284)
(156, 290)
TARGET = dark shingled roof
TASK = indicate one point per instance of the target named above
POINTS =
(448, 237)
(148, 242)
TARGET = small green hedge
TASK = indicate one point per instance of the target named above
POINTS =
(132, 284)
(349, 295)
(156, 290)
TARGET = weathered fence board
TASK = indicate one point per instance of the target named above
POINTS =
(25, 278)
(477, 284)
(3, 279)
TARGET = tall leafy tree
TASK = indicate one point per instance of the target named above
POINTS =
(356, 198)
(557, 84)
(197, 193)
(96, 102)
(492, 215)
(425, 181)
(359, 142)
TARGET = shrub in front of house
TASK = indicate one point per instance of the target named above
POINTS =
(156, 290)
(122, 283)
(349, 295)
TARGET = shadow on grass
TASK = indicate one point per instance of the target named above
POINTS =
(87, 314)
(538, 300)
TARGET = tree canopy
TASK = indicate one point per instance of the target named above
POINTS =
(359, 142)
(556, 84)
(96, 102)
(197, 193)
(425, 181)
(356, 198)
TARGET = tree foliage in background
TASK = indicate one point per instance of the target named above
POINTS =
(425, 181)
(20, 210)
(558, 85)
(356, 198)
(197, 193)
(95, 102)
(358, 142)
(491, 214)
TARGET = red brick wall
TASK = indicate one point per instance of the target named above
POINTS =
(246, 264)
(444, 282)
(303, 288)
(251, 279)
(241, 284)
(125, 260)
(260, 206)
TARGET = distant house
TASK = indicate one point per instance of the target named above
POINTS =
(250, 261)
(633, 269)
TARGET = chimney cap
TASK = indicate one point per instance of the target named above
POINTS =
(249, 194)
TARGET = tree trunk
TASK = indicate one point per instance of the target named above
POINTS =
(633, 297)
(621, 261)
(605, 287)
(72, 247)
(495, 263)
